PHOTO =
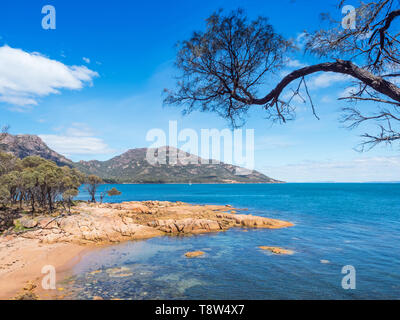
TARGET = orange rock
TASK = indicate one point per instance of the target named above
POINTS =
(276, 250)
(107, 223)
(194, 254)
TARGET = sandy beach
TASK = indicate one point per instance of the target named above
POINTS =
(22, 260)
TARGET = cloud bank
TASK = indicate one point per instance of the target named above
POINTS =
(76, 140)
(25, 77)
(362, 169)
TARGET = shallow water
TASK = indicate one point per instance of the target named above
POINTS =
(335, 225)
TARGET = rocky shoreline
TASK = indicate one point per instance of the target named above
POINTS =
(57, 240)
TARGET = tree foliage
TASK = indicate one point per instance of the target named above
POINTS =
(92, 183)
(225, 68)
(37, 182)
(3, 132)
(113, 192)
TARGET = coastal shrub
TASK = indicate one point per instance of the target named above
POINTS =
(92, 183)
(112, 192)
(39, 183)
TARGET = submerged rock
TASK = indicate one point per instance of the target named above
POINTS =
(194, 254)
(119, 272)
(95, 272)
(276, 250)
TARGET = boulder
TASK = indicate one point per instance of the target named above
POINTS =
(28, 222)
(194, 254)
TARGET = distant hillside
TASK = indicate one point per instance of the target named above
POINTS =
(132, 167)
(30, 145)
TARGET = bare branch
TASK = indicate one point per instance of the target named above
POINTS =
(224, 67)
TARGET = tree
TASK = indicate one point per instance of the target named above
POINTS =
(92, 183)
(8, 162)
(68, 195)
(223, 68)
(102, 195)
(111, 193)
(30, 186)
(3, 133)
(37, 182)
(4, 196)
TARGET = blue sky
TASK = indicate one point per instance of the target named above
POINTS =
(92, 88)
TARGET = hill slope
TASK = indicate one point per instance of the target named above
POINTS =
(30, 145)
(132, 167)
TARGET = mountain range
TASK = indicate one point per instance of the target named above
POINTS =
(133, 167)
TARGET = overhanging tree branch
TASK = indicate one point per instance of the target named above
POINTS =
(225, 67)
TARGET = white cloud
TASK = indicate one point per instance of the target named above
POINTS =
(327, 79)
(76, 140)
(290, 95)
(301, 40)
(87, 60)
(362, 169)
(290, 65)
(348, 92)
(25, 77)
(79, 130)
(295, 64)
(327, 99)
(273, 142)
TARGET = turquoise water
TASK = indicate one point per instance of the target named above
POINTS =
(335, 225)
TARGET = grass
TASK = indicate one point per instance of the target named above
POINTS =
(18, 227)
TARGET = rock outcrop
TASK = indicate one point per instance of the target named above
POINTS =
(28, 292)
(107, 223)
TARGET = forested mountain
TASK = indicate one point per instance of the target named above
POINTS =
(132, 167)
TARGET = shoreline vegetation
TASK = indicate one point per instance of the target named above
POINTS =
(61, 239)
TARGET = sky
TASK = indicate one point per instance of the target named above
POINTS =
(92, 87)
